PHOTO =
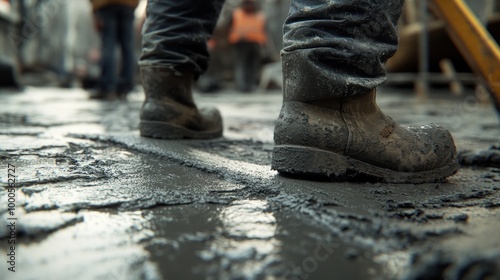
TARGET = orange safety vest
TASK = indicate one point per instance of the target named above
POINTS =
(248, 27)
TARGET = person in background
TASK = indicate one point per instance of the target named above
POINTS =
(247, 35)
(114, 20)
(333, 59)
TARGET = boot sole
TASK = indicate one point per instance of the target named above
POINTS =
(312, 162)
(162, 130)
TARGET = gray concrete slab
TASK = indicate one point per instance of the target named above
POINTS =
(96, 201)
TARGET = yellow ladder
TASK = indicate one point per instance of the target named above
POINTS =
(475, 43)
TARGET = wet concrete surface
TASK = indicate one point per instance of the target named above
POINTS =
(96, 201)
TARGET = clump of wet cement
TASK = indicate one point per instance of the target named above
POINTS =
(484, 158)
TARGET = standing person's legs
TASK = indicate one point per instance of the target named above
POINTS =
(107, 80)
(126, 39)
(175, 53)
(247, 62)
(333, 59)
(253, 65)
(239, 51)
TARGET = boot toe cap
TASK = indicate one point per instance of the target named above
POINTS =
(442, 150)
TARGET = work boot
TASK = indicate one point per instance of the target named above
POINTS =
(169, 111)
(349, 138)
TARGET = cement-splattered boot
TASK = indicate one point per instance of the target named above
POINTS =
(349, 138)
(169, 111)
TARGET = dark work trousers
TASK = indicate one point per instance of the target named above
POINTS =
(340, 46)
(247, 63)
(117, 29)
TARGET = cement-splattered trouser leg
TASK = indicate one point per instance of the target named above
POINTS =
(336, 48)
(176, 32)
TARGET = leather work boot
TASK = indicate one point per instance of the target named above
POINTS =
(169, 111)
(349, 138)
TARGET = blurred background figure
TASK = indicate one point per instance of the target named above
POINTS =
(8, 59)
(114, 19)
(247, 35)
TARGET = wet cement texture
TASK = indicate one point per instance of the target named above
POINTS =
(96, 201)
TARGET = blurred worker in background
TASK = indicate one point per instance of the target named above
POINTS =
(114, 19)
(333, 59)
(247, 35)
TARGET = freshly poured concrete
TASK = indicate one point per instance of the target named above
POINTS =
(97, 201)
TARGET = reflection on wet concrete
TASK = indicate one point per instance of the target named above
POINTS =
(38, 223)
(248, 240)
(102, 246)
(226, 242)
(247, 246)
(249, 219)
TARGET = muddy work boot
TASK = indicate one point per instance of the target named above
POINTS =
(169, 111)
(349, 138)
